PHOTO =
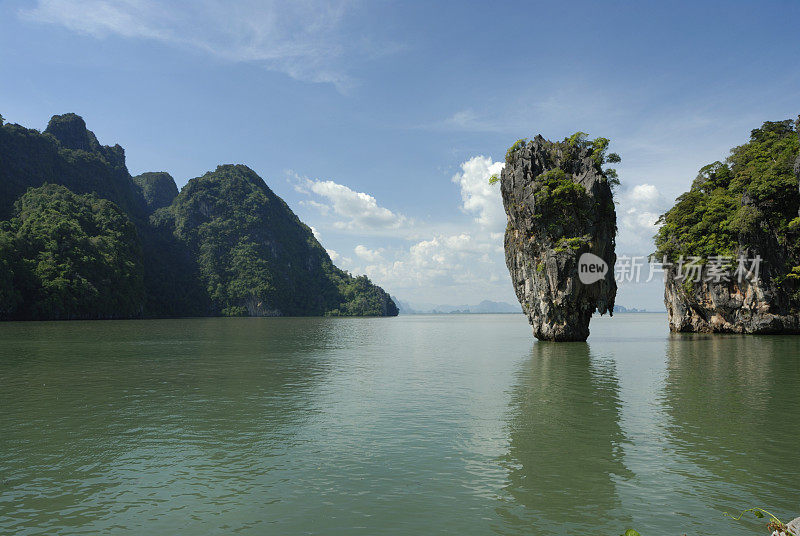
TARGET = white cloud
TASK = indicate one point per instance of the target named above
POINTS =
(302, 39)
(447, 261)
(639, 208)
(355, 211)
(463, 267)
(333, 255)
(320, 207)
(644, 194)
(480, 197)
(315, 233)
(369, 255)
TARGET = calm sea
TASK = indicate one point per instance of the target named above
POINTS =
(417, 425)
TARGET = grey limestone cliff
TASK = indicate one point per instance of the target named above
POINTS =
(560, 206)
(752, 305)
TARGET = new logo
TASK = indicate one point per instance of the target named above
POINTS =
(591, 268)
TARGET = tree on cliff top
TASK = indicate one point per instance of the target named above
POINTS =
(751, 196)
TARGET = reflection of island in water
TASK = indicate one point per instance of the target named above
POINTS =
(731, 403)
(564, 457)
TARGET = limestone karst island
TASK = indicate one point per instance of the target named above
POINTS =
(560, 207)
(345, 268)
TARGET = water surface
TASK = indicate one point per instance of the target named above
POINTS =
(450, 424)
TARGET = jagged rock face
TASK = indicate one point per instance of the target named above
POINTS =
(158, 189)
(68, 154)
(71, 132)
(554, 217)
(749, 306)
(70, 129)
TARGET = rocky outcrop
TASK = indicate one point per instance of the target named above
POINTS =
(158, 189)
(749, 305)
(227, 245)
(66, 153)
(71, 132)
(256, 257)
(560, 206)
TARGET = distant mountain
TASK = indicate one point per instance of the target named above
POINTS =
(493, 307)
(622, 309)
(484, 307)
(404, 308)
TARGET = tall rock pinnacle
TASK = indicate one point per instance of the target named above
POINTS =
(560, 207)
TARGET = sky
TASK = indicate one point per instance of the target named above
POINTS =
(380, 122)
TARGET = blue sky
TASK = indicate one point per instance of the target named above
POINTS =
(379, 122)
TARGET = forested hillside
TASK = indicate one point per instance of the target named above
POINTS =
(87, 240)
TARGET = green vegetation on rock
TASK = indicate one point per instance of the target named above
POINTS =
(90, 241)
(67, 154)
(748, 201)
(158, 189)
(256, 257)
(563, 206)
(69, 256)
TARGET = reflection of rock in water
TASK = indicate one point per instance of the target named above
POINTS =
(733, 403)
(564, 455)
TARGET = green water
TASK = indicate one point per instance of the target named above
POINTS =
(458, 424)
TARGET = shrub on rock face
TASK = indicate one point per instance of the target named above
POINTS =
(735, 203)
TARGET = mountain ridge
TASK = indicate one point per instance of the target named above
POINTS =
(243, 253)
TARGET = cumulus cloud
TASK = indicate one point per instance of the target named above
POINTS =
(638, 210)
(369, 255)
(320, 207)
(355, 211)
(451, 267)
(449, 261)
(477, 195)
(302, 39)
